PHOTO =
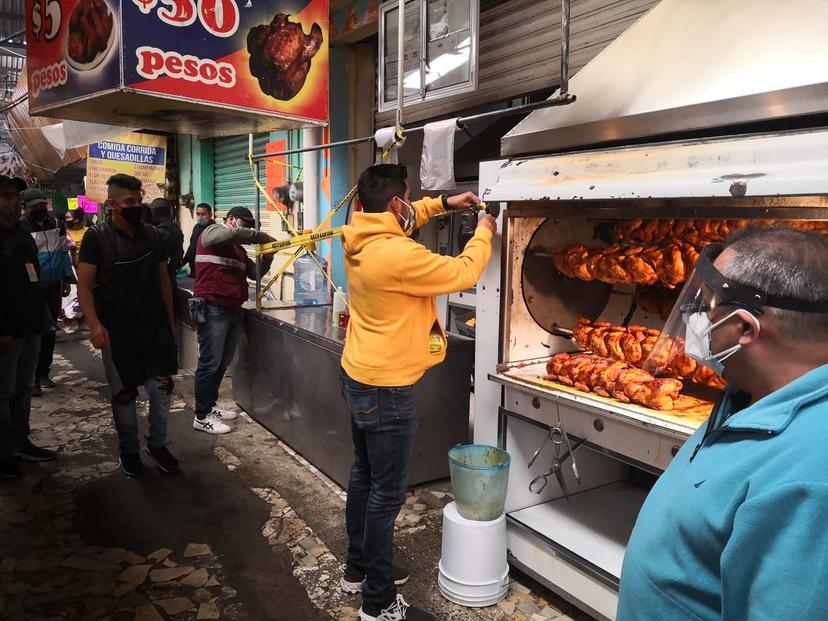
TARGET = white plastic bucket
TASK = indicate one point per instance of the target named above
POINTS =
(473, 568)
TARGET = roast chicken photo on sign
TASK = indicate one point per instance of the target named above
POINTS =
(90, 28)
(280, 55)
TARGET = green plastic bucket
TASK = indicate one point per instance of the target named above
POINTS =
(479, 476)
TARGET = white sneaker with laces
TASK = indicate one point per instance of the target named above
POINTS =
(211, 424)
(224, 414)
(399, 610)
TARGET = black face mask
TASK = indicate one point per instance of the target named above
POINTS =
(132, 215)
(38, 214)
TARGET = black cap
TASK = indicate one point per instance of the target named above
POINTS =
(161, 204)
(32, 197)
(15, 181)
(242, 213)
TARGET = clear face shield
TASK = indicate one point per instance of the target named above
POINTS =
(707, 301)
(669, 357)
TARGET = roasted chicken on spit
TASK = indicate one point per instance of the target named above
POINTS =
(634, 345)
(608, 378)
(656, 251)
(697, 233)
(645, 265)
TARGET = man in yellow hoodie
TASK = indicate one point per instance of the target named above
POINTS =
(393, 337)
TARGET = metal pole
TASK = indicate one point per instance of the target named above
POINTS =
(321, 147)
(400, 63)
(564, 48)
(257, 167)
(310, 190)
(538, 105)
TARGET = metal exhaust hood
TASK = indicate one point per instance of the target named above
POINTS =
(690, 65)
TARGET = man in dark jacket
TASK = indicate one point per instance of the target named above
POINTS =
(126, 297)
(56, 274)
(221, 281)
(204, 218)
(171, 234)
(22, 316)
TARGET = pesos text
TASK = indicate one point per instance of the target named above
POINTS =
(154, 63)
(48, 77)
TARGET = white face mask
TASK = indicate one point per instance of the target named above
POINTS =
(698, 340)
(410, 220)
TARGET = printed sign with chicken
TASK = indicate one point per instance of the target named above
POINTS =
(212, 67)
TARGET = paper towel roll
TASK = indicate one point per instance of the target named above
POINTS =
(388, 139)
(437, 163)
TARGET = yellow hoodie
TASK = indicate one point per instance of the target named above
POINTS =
(392, 281)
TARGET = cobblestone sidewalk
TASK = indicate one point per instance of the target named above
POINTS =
(48, 571)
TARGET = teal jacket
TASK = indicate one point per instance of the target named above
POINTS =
(737, 527)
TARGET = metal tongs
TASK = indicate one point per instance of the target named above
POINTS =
(558, 436)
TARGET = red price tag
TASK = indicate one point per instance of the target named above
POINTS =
(179, 12)
(219, 17)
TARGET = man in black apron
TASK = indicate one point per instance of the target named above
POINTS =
(125, 294)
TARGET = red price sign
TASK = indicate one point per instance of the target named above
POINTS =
(219, 17)
(46, 21)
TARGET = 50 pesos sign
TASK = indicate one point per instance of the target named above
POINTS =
(265, 55)
(228, 64)
(219, 17)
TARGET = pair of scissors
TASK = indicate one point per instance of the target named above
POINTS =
(559, 437)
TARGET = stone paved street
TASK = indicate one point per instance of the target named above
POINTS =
(247, 530)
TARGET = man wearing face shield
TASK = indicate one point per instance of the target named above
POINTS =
(127, 299)
(734, 528)
(223, 268)
(393, 337)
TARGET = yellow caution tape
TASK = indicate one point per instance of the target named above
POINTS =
(298, 240)
(306, 241)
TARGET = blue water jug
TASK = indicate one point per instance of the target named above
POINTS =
(309, 284)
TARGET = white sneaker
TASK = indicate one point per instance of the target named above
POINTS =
(399, 610)
(224, 414)
(211, 424)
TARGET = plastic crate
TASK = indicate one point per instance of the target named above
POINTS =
(462, 328)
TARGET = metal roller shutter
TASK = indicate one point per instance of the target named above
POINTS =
(520, 49)
(233, 179)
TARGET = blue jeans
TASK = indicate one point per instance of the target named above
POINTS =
(126, 416)
(383, 423)
(17, 367)
(217, 341)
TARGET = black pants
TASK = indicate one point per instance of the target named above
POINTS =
(47, 341)
(383, 423)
